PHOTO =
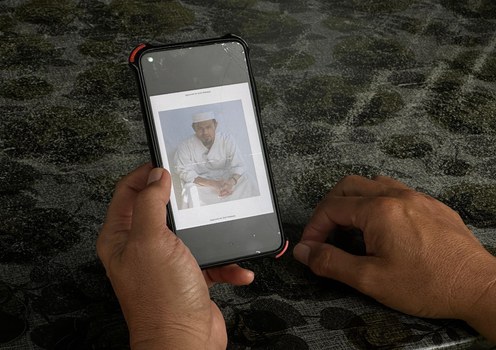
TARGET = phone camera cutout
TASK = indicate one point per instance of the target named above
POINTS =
(150, 59)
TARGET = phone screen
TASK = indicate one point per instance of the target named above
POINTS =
(204, 129)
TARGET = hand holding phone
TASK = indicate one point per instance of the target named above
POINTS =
(161, 290)
(202, 120)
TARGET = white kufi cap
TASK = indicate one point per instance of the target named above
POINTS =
(201, 117)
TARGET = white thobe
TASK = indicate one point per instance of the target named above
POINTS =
(221, 161)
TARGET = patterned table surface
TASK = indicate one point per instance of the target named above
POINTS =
(402, 88)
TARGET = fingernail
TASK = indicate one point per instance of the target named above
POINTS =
(251, 275)
(301, 253)
(155, 175)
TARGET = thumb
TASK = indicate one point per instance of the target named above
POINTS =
(150, 209)
(329, 261)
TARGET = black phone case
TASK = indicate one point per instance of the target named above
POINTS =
(150, 130)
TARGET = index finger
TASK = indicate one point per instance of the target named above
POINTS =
(335, 211)
(232, 274)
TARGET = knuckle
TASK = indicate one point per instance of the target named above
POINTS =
(366, 278)
(350, 179)
(322, 263)
(379, 177)
(409, 194)
(388, 205)
(120, 184)
(344, 184)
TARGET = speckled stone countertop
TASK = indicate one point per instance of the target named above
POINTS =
(402, 88)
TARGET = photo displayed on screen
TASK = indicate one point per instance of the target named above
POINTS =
(211, 146)
(211, 154)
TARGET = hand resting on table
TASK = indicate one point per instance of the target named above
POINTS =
(420, 259)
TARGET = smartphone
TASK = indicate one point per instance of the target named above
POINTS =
(201, 115)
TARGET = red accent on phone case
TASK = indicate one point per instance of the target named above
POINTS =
(135, 51)
(283, 250)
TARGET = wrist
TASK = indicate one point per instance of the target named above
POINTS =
(479, 308)
(186, 343)
(165, 329)
(173, 338)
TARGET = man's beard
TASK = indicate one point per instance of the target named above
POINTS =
(208, 143)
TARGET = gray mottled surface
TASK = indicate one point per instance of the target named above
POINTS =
(403, 88)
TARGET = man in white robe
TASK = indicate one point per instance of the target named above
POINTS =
(210, 166)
